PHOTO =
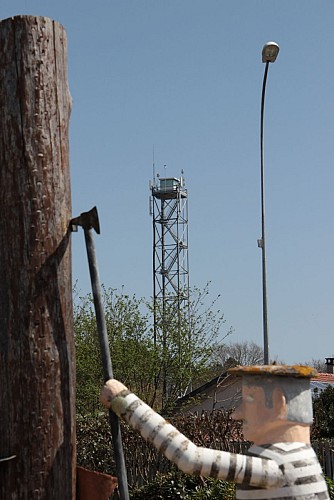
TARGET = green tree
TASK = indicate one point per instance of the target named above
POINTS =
(131, 347)
(185, 339)
(323, 411)
(177, 357)
(89, 373)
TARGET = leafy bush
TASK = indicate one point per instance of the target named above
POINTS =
(323, 410)
(147, 363)
(178, 485)
(330, 486)
(143, 461)
(150, 474)
(94, 445)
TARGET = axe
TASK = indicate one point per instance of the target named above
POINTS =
(89, 221)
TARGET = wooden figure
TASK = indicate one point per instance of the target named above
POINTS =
(276, 411)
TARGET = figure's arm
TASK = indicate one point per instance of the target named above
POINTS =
(186, 455)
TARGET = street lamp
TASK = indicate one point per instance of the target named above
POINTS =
(269, 54)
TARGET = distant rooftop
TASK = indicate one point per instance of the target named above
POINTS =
(321, 382)
(324, 377)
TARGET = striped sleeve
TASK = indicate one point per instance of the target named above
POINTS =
(254, 471)
(303, 478)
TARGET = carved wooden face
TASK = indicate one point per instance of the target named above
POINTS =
(259, 419)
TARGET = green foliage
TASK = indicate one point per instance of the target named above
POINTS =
(323, 411)
(145, 465)
(130, 337)
(178, 485)
(131, 347)
(185, 336)
(143, 462)
(157, 370)
(88, 360)
(94, 446)
(330, 486)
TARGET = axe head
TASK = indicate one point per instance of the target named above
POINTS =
(87, 220)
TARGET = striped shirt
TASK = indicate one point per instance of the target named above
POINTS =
(301, 470)
(281, 471)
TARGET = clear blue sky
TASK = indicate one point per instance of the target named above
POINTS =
(186, 76)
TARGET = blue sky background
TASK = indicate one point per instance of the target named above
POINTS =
(186, 77)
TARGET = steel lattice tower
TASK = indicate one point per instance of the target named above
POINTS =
(169, 209)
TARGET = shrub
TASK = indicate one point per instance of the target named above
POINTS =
(330, 486)
(143, 461)
(323, 411)
(178, 485)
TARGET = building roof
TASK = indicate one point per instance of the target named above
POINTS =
(201, 391)
(317, 384)
(324, 377)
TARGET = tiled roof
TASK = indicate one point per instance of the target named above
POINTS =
(324, 377)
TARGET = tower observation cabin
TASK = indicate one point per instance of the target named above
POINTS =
(169, 188)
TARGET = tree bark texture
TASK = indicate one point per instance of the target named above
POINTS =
(37, 376)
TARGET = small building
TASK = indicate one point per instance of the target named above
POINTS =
(224, 392)
(323, 380)
(220, 393)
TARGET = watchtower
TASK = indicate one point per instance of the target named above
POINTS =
(169, 210)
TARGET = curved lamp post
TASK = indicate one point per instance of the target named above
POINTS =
(269, 54)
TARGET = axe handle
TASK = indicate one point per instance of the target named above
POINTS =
(98, 305)
(106, 361)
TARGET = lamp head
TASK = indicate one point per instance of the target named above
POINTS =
(270, 52)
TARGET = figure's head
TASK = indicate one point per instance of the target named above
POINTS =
(274, 400)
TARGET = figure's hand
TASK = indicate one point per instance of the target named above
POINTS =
(111, 388)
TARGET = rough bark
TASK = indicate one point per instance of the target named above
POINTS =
(37, 421)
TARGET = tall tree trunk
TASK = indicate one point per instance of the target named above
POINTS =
(37, 420)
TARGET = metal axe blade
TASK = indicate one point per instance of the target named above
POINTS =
(87, 220)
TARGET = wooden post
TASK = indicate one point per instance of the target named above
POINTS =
(37, 376)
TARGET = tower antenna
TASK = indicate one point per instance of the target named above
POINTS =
(153, 166)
